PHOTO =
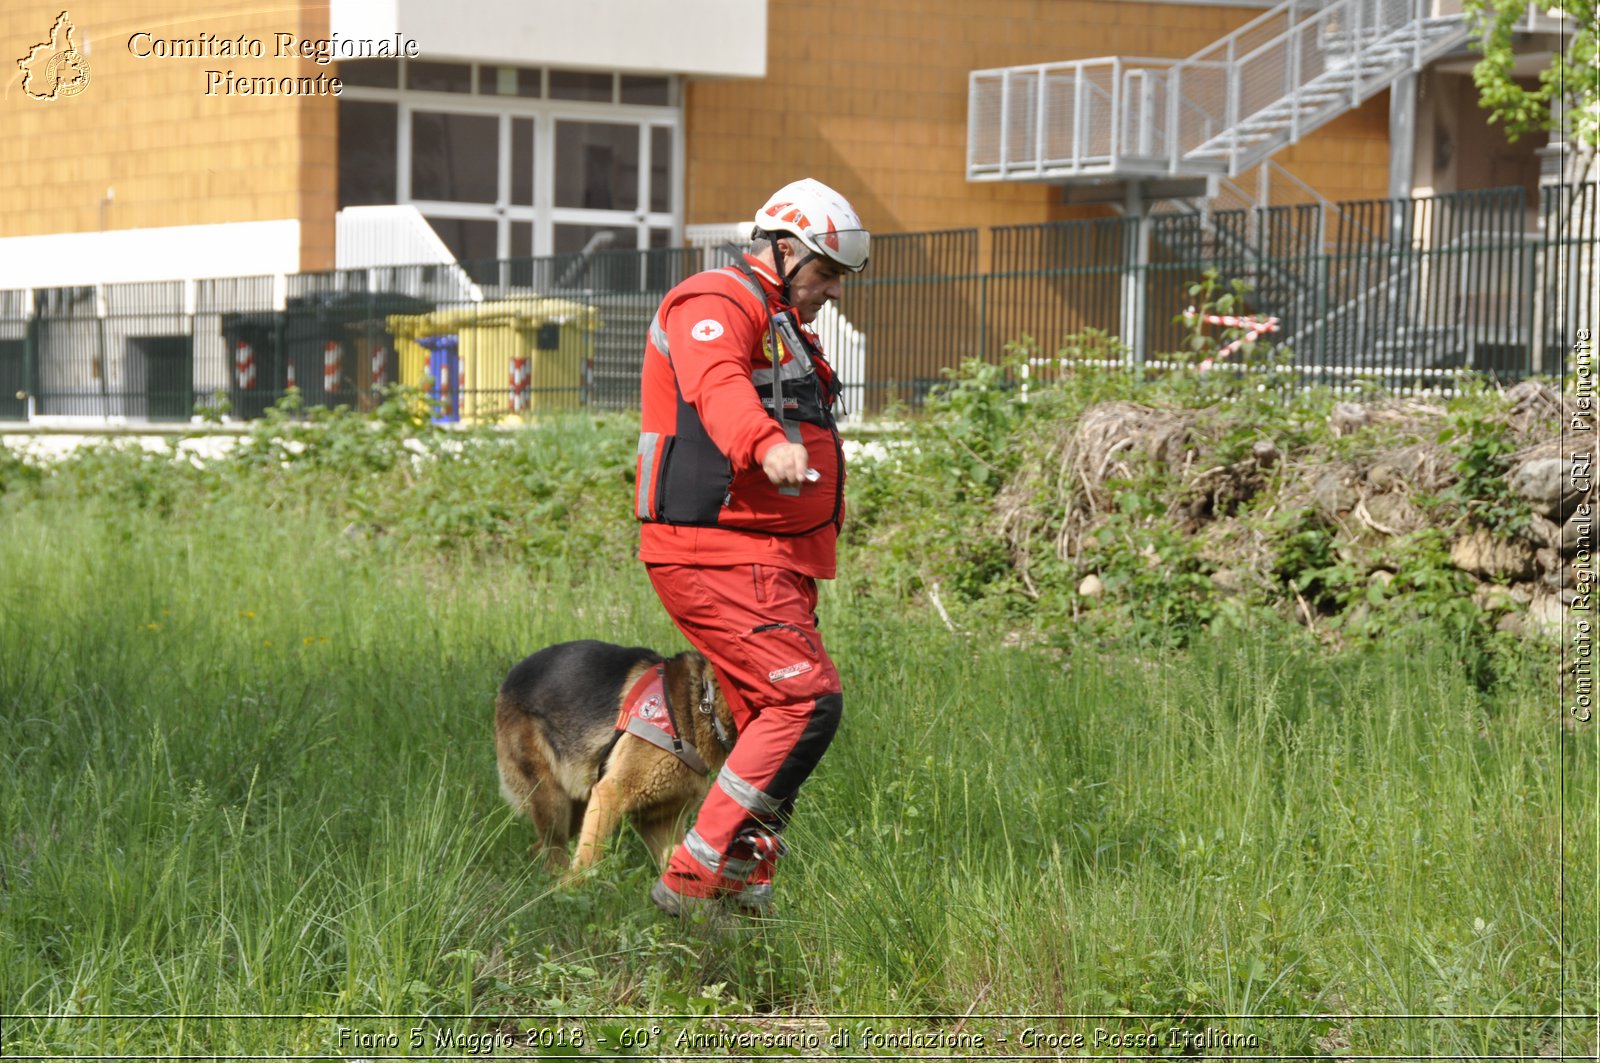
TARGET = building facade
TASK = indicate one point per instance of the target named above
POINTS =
(203, 142)
(222, 199)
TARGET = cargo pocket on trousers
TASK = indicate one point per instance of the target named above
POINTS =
(790, 661)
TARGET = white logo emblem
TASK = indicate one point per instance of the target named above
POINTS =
(798, 668)
(648, 710)
(706, 330)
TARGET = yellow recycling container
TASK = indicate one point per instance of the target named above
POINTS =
(513, 357)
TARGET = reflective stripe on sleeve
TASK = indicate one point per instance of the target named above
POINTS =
(658, 334)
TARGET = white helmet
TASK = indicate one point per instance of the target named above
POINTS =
(821, 219)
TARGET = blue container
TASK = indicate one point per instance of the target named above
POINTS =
(444, 377)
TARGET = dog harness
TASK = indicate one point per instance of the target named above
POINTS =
(647, 713)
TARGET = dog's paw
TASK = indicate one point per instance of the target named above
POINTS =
(576, 876)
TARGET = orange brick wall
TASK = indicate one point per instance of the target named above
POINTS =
(871, 96)
(146, 128)
(1349, 157)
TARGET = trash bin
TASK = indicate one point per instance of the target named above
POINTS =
(255, 377)
(330, 339)
(515, 356)
(444, 378)
(335, 347)
(377, 363)
(373, 345)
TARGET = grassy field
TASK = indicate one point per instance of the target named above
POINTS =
(249, 772)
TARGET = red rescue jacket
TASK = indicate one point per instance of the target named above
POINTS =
(706, 425)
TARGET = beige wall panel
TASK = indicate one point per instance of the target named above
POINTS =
(1349, 157)
(871, 96)
(147, 129)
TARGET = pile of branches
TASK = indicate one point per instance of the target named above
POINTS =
(1376, 473)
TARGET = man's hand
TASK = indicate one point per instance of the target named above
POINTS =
(785, 464)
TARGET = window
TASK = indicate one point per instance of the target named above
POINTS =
(455, 157)
(646, 90)
(580, 85)
(510, 80)
(438, 77)
(367, 144)
(471, 241)
(378, 73)
(521, 160)
(521, 239)
(661, 169)
(597, 165)
(570, 239)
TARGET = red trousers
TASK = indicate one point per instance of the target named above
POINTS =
(757, 626)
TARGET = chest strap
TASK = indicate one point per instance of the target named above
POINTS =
(647, 713)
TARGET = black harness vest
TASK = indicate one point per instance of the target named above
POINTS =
(692, 485)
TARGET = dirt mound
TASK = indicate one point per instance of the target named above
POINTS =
(1371, 476)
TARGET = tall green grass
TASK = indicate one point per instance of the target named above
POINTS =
(249, 771)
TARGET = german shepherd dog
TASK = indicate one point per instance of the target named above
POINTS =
(568, 765)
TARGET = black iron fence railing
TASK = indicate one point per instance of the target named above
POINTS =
(1404, 293)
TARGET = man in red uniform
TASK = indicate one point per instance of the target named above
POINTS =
(741, 493)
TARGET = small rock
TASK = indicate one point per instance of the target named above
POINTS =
(1544, 484)
(1493, 598)
(1348, 417)
(1544, 534)
(1556, 579)
(1522, 593)
(1533, 393)
(1385, 476)
(1227, 581)
(1334, 497)
(1547, 560)
(1512, 622)
(1091, 587)
(1545, 614)
(1484, 556)
(1381, 577)
(1394, 512)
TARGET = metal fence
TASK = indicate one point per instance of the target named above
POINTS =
(1405, 293)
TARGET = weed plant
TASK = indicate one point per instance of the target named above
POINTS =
(245, 723)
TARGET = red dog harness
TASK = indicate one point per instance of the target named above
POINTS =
(647, 714)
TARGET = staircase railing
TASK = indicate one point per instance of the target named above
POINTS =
(1221, 110)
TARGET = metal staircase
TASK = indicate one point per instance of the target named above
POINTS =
(1273, 231)
(1223, 110)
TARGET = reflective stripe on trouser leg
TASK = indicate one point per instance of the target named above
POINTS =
(757, 625)
(805, 731)
(754, 800)
(713, 861)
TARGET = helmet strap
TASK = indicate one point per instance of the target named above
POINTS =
(777, 267)
(798, 266)
(786, 277)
